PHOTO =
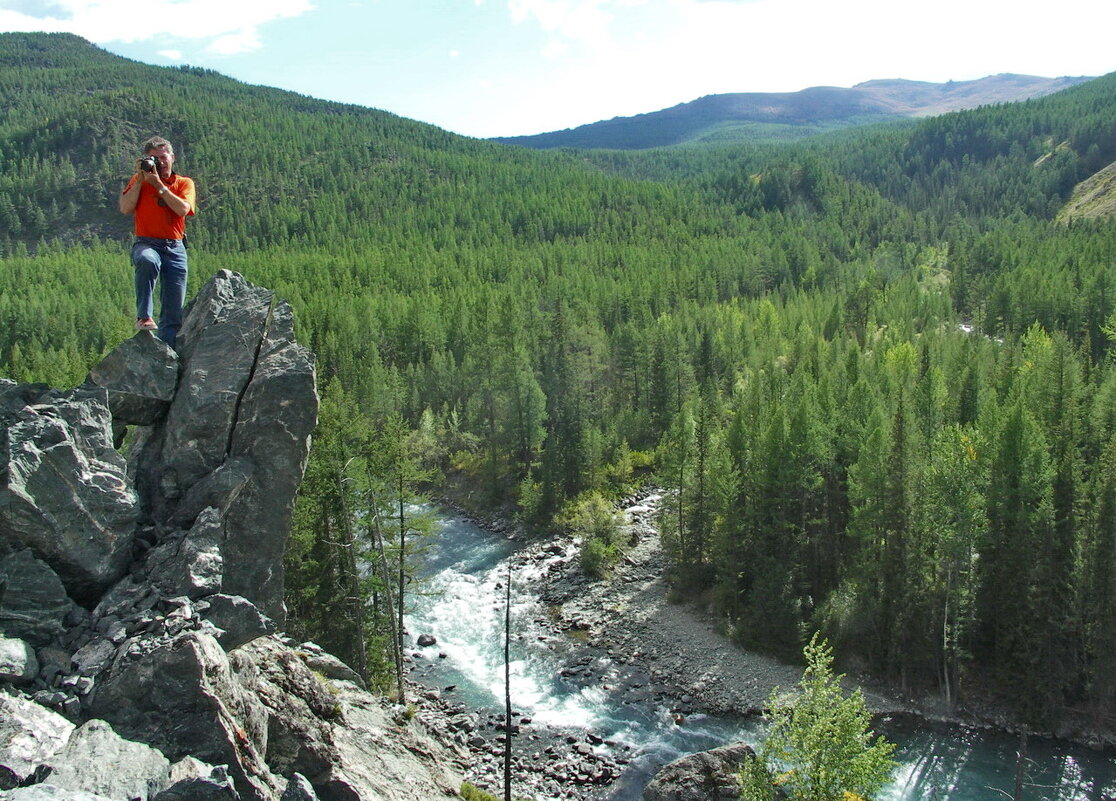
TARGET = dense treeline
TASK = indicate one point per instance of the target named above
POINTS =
(872, 373)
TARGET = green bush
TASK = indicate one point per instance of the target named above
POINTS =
(820, 745)
(598, 524)
(597, 557)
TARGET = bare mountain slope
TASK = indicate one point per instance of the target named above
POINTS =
(793, 115)
(1093, 198)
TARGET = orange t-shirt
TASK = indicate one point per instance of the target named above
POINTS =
(153, 218)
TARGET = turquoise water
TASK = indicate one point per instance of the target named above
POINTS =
(464, 609)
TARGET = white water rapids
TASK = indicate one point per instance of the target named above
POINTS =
(462, 605)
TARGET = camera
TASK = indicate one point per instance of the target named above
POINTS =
(149, 164)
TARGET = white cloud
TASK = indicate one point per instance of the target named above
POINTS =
(620, 57)
(171, 55)
(226, 28)
(584, 22)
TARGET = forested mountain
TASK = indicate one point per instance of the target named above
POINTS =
(786, 116)
(872, 371)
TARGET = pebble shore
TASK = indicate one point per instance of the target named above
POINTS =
(622, 635)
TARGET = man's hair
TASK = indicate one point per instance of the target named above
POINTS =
(156, 142)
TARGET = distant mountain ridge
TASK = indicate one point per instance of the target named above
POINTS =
(794, 115)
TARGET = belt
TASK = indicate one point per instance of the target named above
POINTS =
(154, 240)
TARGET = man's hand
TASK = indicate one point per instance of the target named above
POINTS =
(153, 179)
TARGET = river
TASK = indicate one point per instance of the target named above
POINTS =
(462, 606)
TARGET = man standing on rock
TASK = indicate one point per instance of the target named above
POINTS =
(160, 200)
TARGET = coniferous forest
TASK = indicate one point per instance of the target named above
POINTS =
(872, 370)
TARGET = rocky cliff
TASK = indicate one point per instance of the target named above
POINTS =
(140, 595)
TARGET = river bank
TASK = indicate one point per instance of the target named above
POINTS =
(625, 642)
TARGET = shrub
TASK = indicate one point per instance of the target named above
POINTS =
(820, 745)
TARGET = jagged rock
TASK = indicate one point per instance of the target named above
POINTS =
(140, 376)
(18, 663)
(327, 664)
(345, 739)
(33, 602)
(299, 789)
(193, 552)
(221, 336)
(299, 703)
(237, 433)
(96, 759)
(94, 656)
(30, 734)
(218, 489)
(238, 619)
(194, 780)
(182, 698)
(190, 564)
(63, 492)
(378, 758)
(127, 598)
(277, 415)
(706, 776)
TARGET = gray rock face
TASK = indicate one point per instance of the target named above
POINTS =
(50, 792)
(29, 736)
(18, 663)
(63, 490)
(191, 564)
(299, 704)
(278, 413)
(33, 602)
(183, 699)
(339, 735)
(140, 376)
(373, 761)
(96, 760)
(299, 789)
(176, 561)
(239, 620)
(193, 780)
(218, 490)
(706, 776)
(237, 434)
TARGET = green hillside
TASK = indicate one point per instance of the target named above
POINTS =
(871, 370)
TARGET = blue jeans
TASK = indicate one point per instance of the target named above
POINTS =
(163, 259)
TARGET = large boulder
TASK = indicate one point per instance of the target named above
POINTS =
(96, 759)
(18, 663)
(237, 434)
(33, 601)
(29, 736)
(190, 563)
(277, 415)
(376, 760)
(300, 707)
(706, 776)
(63, 487)
(345, 741)
(238, 620)
(140, 376)
(182, 698)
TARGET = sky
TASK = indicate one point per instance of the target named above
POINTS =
(510, 67)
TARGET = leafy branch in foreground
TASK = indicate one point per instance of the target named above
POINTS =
(820, 746)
